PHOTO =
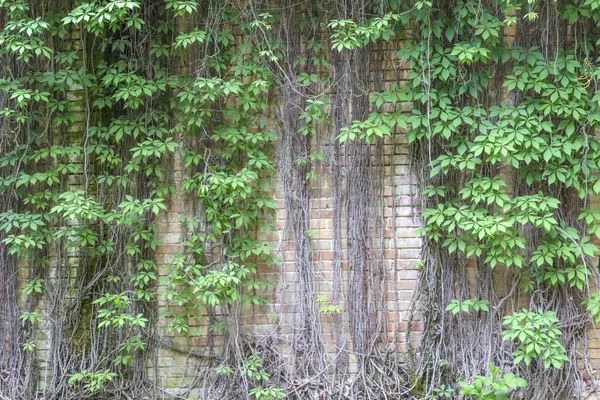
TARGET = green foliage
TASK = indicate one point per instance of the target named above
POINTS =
(232, 195)
(181, 7)
(128, 348)
(34, 286)
(224, 370)
(30, 317)
(494, 387)
(537, 336)
(96, 194)
(253, 370)
(29, 346)
(509, 133)
(545, 139)
(143, 110)
(268, 393)
(112, 312)
(466, 306)
(326, 306)
(92, 381)
(593, 306)
(442, 392)
(252, 367)
(348, 34)
(376, 126)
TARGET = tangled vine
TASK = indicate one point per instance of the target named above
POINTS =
(116, 115)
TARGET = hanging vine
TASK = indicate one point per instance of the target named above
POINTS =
(504, 140)
(112, 110)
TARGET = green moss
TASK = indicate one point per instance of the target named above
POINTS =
(79, 329)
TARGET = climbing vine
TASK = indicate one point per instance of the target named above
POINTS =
(120, 119)
(504, 121)
(101, 106)
(503, 128)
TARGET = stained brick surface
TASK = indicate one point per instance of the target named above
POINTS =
(401, 247)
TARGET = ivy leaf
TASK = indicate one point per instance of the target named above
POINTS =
(450, 33)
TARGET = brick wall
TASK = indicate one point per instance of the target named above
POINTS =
(401, 251)
(177, 365)
(278, 319)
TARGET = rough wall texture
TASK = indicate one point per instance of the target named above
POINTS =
(181, 357)
(280, 318)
